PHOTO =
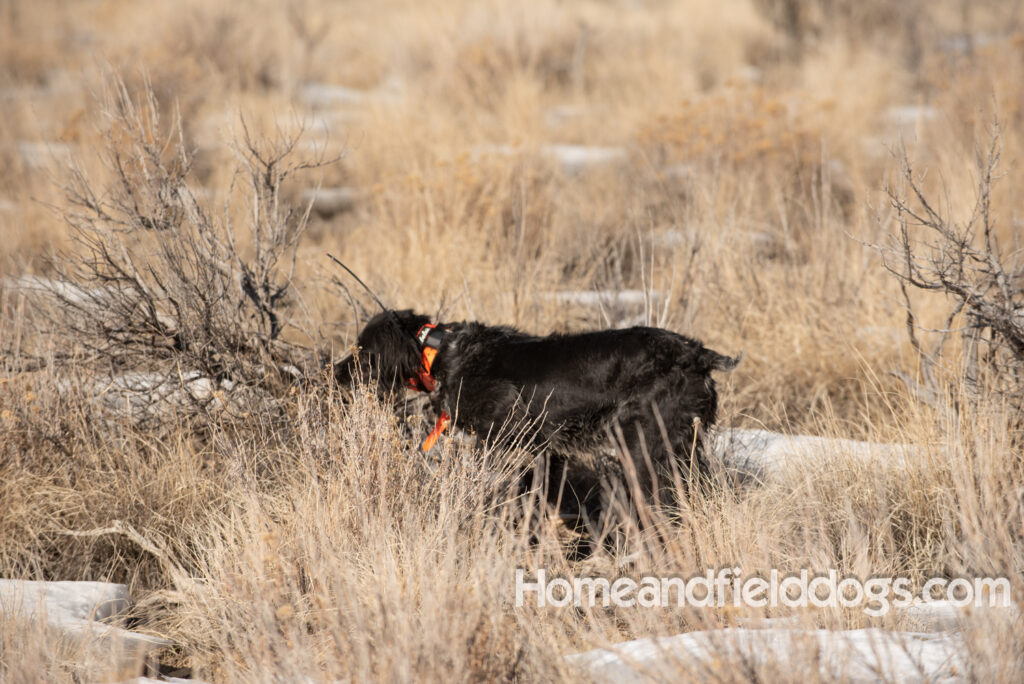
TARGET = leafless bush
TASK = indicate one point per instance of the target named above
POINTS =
(163, 288)
(981, 277)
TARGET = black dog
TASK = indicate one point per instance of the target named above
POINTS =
(581, 401)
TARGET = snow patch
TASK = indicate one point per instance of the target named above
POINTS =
(326, 95)
(77, 610)
(143, 395)
(610, 298)
(861, 655)
(910, 115)
(322, 95)
(760, 454)
(577, 158)
(620, 308)
(328, 202)
(573, 159)
(65, 601)
(60, 289)
(94, 299)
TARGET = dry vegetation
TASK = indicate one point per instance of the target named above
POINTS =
(287, 534)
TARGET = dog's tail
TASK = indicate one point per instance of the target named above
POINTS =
(712, 360)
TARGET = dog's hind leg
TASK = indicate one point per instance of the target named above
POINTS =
(569, 492)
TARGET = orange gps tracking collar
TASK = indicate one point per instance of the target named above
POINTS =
(429, 338)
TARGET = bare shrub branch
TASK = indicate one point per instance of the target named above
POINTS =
(159, 284)
(983, 279)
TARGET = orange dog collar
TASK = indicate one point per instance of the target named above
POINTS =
(432, 438)
(429, 338)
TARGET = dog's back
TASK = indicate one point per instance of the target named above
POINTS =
(572, 391)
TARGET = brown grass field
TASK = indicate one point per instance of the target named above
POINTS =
(746, 149)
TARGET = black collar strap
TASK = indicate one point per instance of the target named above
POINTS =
(430, 336)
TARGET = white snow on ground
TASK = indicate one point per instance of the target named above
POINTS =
(147, 389)
(910, 115)
(330, 201)
(69, 292)
(135, 393)
(860, 655)
(620, 308)
(930, 650)
(610, 298)
(576, 158)
(326, 95)
(64, 601)
(572, 158)
(145, 395)
(318, 95)
(898, 123)
(962, 44)
(761, 454)
(76, 610)
(74, 295)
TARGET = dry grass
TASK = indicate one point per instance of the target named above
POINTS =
(312, 540)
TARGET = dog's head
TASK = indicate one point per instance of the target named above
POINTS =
(388, 354)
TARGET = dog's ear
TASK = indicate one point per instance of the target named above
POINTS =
(364, 367)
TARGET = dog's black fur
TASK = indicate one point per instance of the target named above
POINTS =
(564, 397)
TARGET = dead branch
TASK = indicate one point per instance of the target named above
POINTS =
(963, 260)
(158, 283)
